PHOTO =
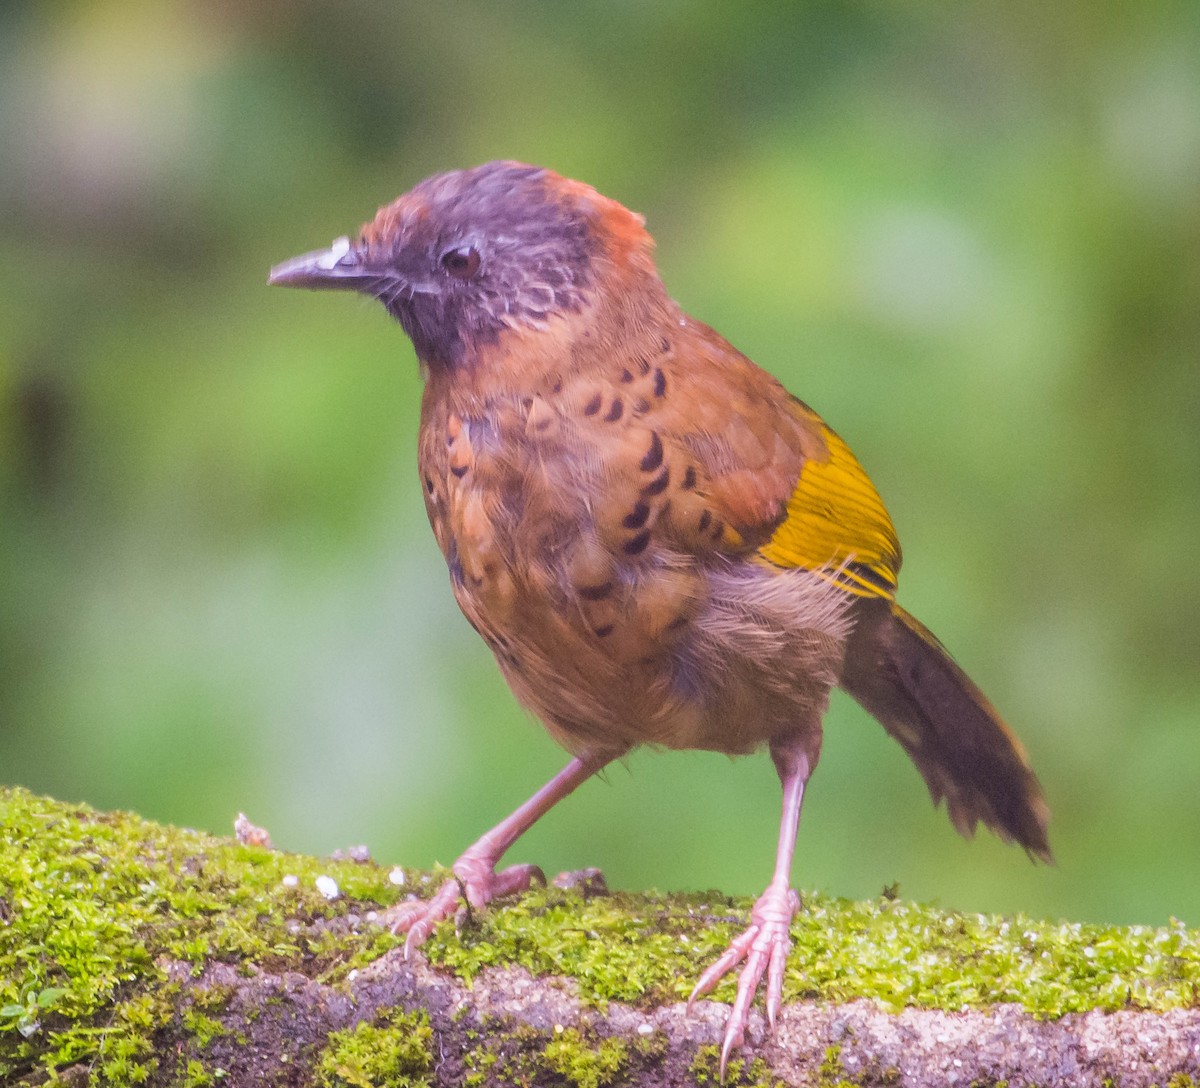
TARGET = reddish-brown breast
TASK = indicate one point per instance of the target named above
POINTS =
(599, 501)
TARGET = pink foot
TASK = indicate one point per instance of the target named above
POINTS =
(475, 879)
(764, 946)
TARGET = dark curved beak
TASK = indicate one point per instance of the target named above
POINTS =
(340, 267)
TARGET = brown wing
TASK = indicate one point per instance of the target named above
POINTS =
(778, 482)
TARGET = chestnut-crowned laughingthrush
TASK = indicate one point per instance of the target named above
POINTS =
(659, 543)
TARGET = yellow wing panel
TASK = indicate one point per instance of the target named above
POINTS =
(837, 522)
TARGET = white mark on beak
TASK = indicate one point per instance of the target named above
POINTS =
(337, 251)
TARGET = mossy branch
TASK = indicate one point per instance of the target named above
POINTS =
(132, 953)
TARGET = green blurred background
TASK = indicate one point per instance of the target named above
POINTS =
(969, 235)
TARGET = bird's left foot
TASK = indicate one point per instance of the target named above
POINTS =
(764, 946)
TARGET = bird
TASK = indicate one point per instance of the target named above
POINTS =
(659, 543)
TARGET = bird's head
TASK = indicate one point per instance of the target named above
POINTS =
(467, 255)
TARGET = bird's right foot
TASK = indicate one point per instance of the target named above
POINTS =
(475, 884)
(762, 950)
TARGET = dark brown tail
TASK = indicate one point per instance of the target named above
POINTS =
(899, 672)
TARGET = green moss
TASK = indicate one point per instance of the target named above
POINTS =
(479, 1060)
(204, 1029)
(503, 1052)
(92, 904)
(651, 1048)
(645, 949)
(705, 1070)
(506, 1053)
(831, 1073)
(196, 1075)
(125, 1053)
(212, 999)
(391, 1052)
(583, 1063)
(830, 1070)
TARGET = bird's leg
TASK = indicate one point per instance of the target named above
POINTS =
(475, 877)
(765, 943)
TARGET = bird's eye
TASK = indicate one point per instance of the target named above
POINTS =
(462, 263)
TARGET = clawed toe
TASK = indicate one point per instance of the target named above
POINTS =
(763, 947)
(472, 886)
(419, 917)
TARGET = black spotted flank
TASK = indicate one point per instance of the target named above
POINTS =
(705, 520)
(626, 376)
(660, 382)
(454, 563)
(614, 413)
(654, 454)
(689, 478)
(665, 344)
(592, 406)
(636, 545)
(459, 470)
(637, 517)
(429, 484)
(659, 484)
(603, 631)
(596, 592)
